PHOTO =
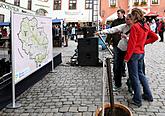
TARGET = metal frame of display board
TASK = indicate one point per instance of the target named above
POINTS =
(15, 105)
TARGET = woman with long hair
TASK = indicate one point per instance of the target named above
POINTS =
(140, 35)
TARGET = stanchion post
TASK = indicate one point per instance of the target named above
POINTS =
(103, 84)
(13, 105)
(52, 53)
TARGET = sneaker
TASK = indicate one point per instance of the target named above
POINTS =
(115, 88)
(132, 102)
(146, 98)
(65, 45)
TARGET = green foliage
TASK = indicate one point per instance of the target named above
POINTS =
(113, 5)
(143, 3)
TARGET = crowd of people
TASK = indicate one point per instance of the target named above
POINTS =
(68, 32)
(157, 26)
(128, 36)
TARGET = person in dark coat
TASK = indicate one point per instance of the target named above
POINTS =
(161, 29)
(115, 38)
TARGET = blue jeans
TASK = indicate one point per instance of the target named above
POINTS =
(135, 69)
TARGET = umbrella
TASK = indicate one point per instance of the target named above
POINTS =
(159, 16)
(57, 20)
(4, 23)
(151, 14)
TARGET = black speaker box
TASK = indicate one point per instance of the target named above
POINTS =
(88, 51)
(88, 31)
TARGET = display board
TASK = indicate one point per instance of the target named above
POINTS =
(31, 44)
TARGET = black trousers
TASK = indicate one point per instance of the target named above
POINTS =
(161, 36)
(119, 66)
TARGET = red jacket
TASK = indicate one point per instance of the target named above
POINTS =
(160, 27)
(4, 33)
(139, 36)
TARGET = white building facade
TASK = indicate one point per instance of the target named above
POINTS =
(8, 5)
(73, 10)
(68, 10)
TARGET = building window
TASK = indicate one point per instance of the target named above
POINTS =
(17, 2)
(2, 0)
(57, 5)
(72, 4)
(88, 4)
(136, 0)
(154, 1)
(112, 2)
(2, 18)
(43, 0)
(29, 4)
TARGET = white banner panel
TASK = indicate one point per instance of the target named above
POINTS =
(31, 44)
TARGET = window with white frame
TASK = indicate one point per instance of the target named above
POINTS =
(29, 4)
(2, 17)
(17, 2)
(57, 5)
(88, 4)
(112, 2)
(72, 4)
(155, 1)
(136, 0)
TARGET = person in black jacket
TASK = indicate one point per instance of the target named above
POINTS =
(115, 38)
(161, 29)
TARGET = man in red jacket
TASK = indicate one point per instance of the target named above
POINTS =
(140, 35)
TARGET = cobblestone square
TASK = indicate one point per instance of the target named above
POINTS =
(77, 91)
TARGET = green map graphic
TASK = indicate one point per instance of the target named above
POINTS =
(34, 40)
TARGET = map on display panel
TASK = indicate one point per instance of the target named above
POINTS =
(34, 40)
(32, 43)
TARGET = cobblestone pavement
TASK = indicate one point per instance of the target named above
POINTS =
(77, 91)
